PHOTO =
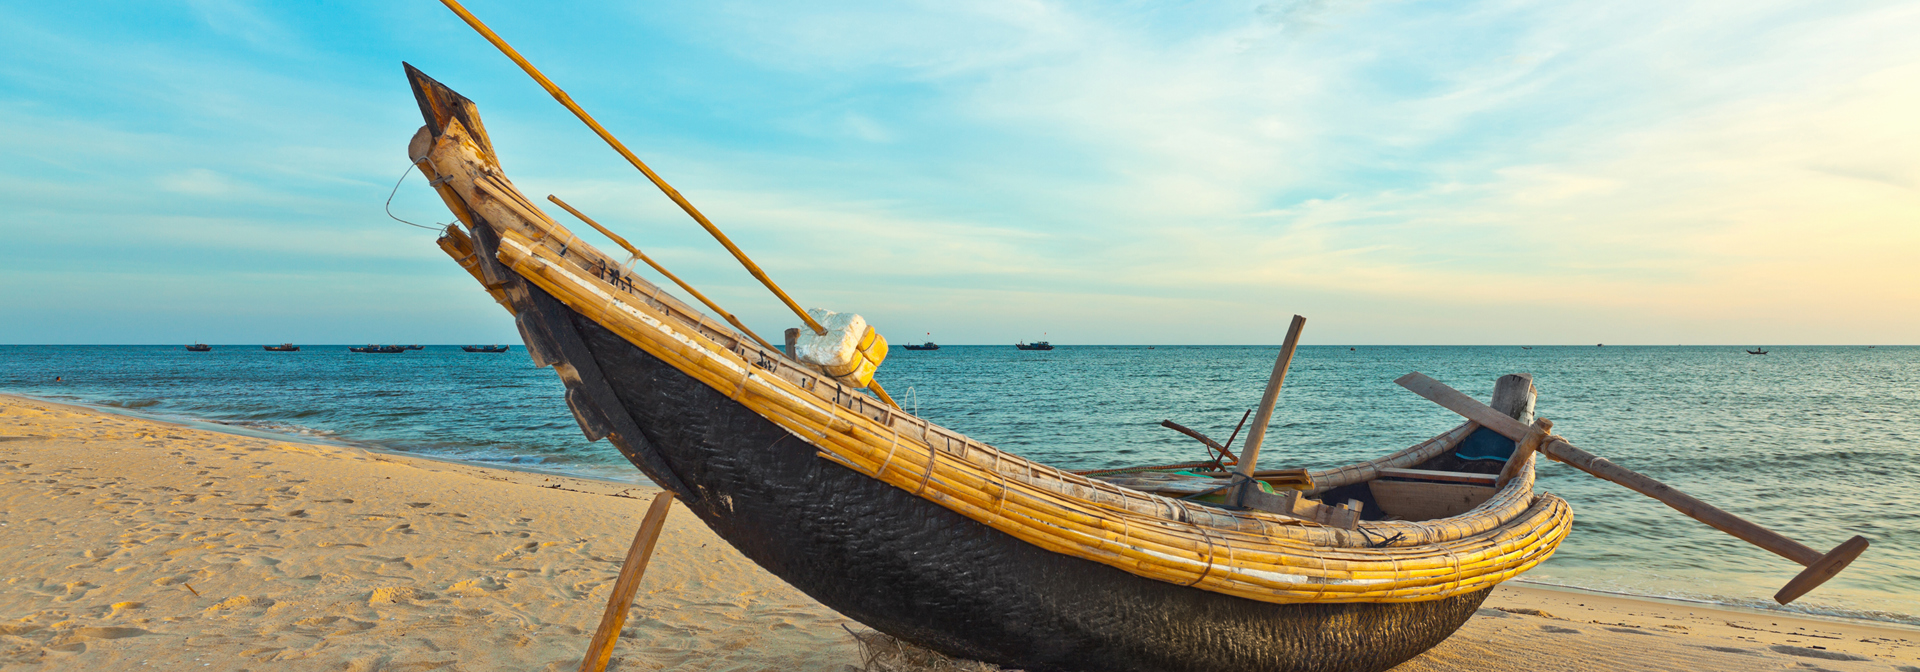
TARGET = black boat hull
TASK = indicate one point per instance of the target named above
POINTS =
(918, 571)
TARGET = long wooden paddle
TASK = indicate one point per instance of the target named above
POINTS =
(1819, 567)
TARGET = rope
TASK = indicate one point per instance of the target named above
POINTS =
(396, 190)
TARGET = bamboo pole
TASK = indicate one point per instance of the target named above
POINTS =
(601, 647)
(665, 188)
(622, 242)
(1820, 567)
(1250, 453)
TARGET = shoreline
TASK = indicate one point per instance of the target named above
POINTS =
(136, 541)
(640, 480)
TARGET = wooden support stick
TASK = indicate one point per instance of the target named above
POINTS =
(601, 648)
(1250, 455)
(559, 95)
(622, 242)
(1542, 428)
(1820, 567)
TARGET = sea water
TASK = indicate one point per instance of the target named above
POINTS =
(1817, 443)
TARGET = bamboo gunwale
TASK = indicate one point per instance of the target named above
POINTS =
(1248, 554)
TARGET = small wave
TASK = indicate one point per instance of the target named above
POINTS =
(1746, 603)
(132, 403)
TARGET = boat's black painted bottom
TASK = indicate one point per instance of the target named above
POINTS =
(913, 569)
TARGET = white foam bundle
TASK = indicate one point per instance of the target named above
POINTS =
(850, 351)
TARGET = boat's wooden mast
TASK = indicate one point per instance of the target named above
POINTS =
(1250, 455)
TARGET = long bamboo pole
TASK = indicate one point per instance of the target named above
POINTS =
(1820, 567)
(622, 242)
(665, 188)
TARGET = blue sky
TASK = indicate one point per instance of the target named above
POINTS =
(1399, 172)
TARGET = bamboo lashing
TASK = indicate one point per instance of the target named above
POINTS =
(1820, 567)
(1250, 452)
(600, 648)
(620, 147)
(622, 242)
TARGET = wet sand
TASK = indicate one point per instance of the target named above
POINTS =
(131, 544)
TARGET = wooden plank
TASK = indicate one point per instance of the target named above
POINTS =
(1468, 407)
(1438, 476)
(1410, 500)
(600, 649)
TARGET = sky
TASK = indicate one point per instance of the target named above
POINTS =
(1504, 172)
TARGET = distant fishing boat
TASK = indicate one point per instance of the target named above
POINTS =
(283, 347)
(199, 347)
(1761, 351)
(1526, 347)
(929, 345)
(484, 348)
(1042, 345)
(415, 346)
(379, 349)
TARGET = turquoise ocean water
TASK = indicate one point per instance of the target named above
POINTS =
(1819, 443)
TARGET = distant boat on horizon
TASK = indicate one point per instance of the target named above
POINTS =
(415, 346)
(1040, 345)
(379, 349)
(929, 345)
(484, 348)
(199, 347)
(1761, 351)
(283, 347)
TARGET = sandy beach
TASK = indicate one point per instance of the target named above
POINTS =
(133, 544)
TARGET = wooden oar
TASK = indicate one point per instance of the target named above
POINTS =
(1250, 454)
(1819, 567)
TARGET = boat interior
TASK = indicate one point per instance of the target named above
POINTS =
(1461, 474)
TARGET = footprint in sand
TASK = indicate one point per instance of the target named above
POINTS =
(241, 602)
(1822, 654)
(397, 595)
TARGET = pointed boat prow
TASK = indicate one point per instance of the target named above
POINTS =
(1820, 567)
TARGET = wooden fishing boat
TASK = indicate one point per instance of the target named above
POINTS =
(934, 537)
(1760, 351)
(1040, 345)
(484, 348)
(199, 347)
(931, 536)
(929, 345)
(283, 347)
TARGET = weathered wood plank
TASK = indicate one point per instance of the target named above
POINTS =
(1409, 500)
(1438, 476)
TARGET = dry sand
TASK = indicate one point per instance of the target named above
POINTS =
(133, 544)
